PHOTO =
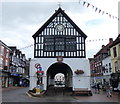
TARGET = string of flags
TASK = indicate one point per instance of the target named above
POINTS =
(60, 43)
(96, 9)
(26, 47)
(95, 40)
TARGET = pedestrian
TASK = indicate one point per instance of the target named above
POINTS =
(20, 83)
(118, 87)
(98, 88)
(109, 90)
(95, 87)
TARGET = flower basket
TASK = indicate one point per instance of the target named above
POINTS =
(79, 71)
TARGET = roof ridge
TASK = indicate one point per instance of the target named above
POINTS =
(53, 16)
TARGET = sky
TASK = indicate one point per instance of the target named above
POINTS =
(21, 19)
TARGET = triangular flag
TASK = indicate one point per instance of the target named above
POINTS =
(99, 10)
(103, 12)
(93, 6)
(88, 5)
(84, 3)
(110, 15)
(113, 17)
(96, 9)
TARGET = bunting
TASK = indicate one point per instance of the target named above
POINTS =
(26, 47)
(59, 43)
(84, 3)
(95, 40)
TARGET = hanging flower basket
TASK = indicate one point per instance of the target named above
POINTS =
(79, 71)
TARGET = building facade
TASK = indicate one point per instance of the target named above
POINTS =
(59, 47)
(92, 71)
(115, 56)
(4, 63)
(98, 64)
(107, 68)
(17, 67)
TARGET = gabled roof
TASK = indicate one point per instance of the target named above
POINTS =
(117, 40)
(3, 44)
(53, 16)
(104, 49)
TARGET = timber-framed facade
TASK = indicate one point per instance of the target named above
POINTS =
(59, 36)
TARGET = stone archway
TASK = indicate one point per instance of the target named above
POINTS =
(56, 68)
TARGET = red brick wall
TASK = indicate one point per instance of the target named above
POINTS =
(3, 56)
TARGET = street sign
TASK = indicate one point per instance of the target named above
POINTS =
(37, 65)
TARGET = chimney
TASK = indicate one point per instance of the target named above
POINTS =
(110, 40)
(103, 46)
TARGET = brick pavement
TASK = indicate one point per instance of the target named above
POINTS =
(102, 97)
(10, 88)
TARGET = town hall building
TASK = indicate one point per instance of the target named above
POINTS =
(59, 47)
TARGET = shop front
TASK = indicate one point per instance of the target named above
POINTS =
(115, 80)
(15, 79)
(5, 79)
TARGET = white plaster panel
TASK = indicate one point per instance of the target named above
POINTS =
(73, 63)
(81, 82)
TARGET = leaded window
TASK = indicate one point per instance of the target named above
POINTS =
(59, 44)
(67, 44)
(49, 44)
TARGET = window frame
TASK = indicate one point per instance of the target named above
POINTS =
(60, 44)
(115, 52)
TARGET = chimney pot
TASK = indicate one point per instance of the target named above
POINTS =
(103, 46)
(110, 40)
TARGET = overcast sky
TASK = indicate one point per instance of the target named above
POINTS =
(20, 20)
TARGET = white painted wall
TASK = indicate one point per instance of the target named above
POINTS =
(79, 81)
(105, 62)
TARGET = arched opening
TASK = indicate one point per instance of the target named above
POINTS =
(57, 68)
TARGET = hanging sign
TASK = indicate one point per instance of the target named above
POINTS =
(39, 68)
(37, 65)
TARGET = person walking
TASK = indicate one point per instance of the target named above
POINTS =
(98, 88)
(118, 87)
(109, 90)
(95, 87)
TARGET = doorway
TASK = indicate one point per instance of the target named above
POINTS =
(59, 78)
